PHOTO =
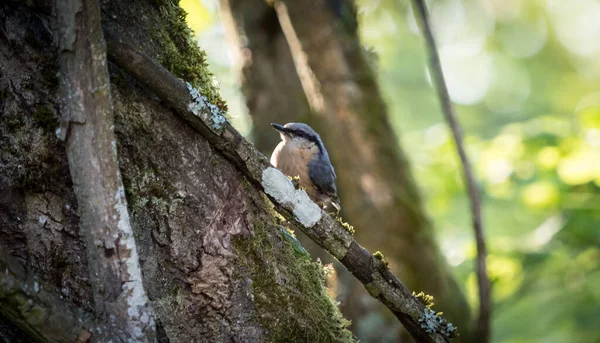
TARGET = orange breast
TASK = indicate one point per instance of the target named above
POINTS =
(293, 161)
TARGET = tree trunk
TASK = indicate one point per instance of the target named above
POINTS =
(215, 265)
(320, 53)
(268, 66)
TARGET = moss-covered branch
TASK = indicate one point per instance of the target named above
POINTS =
(293, 204)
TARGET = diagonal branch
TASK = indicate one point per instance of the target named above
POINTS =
(291, 203)
(483, 325)
(87, 127)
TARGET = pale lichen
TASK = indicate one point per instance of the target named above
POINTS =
(281, 188)
(140, 314)
(200, 106)
(433, 322)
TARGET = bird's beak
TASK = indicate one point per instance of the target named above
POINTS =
(278, 127)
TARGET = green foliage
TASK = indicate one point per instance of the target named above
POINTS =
(529, 105)
(524, 77)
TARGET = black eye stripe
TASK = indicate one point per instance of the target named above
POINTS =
(305, 135)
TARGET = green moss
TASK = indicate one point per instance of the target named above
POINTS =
(27, 147)
(214, 159)
(31, 312)
(379, 255)
(36, 315)
(289, 291)
(148, 187)
(345, 225)
(426, 299)
(181, 54)
(173, 302)
(373, 290)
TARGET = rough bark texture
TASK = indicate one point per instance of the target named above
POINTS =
(292, 203)
(33, 305)
(214, 262)
(87, 126)
(379, 196)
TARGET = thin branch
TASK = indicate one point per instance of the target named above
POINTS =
(291, 203)
(33, 306)
(485, 305)
(87, 127)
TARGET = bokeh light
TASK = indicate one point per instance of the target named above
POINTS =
(525, 79)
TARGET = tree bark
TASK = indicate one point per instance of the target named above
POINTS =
(290, 202)
(324, 57)
(87, 127)
(215, 265)
(41, 311)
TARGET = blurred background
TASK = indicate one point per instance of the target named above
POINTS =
(524, 76)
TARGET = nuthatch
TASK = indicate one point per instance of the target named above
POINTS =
(302, 153)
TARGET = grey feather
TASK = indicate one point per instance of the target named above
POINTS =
(299, 136)
(322, 174)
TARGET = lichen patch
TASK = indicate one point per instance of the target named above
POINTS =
(281, 188)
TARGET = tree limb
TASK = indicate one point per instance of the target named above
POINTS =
(485, 304)
(291, 203)
(87, 126)
(376, 184)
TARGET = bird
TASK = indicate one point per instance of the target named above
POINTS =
(302, 153)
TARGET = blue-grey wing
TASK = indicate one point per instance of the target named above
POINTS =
(322, 175)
